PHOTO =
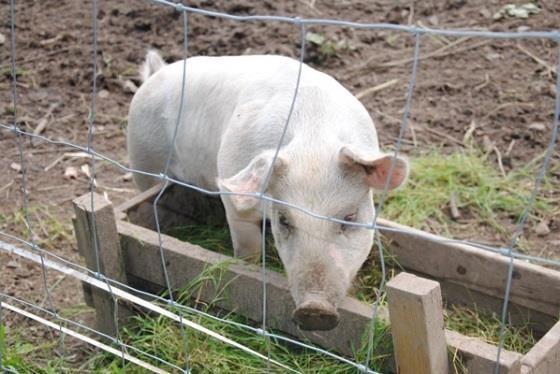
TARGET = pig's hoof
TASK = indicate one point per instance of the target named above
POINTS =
(316, 316)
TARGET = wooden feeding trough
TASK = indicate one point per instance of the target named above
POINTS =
(464, 275)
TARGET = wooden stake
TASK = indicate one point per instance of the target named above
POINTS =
(416, 313)
(109, 251)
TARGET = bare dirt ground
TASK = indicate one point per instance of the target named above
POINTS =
(502, 90)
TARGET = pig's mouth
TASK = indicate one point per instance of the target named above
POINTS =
(316, 313)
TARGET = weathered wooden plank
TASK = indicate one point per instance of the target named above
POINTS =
(474, 268)
(416, 312)
(144, 196)
(480, 357)
(544, 357)
(177, 206)
(481, 272)
(459, 294)
(111, 263)
(244, 288)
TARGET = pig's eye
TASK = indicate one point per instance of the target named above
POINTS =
(284, 223)
(348, 218)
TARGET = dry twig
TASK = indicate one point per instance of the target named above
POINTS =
(455, 213)
(500, 164)
(550, 70)
(379, 87)
(42, 124)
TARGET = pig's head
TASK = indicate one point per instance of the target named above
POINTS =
(321, 257)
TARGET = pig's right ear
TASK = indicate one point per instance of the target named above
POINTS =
(375, 167)
(250, 180)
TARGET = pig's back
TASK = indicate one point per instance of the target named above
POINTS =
(215, 88)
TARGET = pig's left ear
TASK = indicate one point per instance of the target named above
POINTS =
(250, 180)
(376, 166)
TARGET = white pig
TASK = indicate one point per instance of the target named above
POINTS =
(235, 109)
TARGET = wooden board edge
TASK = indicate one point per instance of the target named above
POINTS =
(349, 307)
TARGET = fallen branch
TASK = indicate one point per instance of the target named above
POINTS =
(69, 155)
(505, 105)
(7, 186)
(500, 164)
(38, 57)
(42, 124)
(551, 71)
(377, 88)
(444, 135)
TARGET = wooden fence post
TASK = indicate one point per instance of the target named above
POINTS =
(111, 262)
(416, 313)
(544, 357)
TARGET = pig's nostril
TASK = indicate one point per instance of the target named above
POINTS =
(316, 316)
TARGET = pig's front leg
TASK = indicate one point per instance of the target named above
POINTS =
(245, 230)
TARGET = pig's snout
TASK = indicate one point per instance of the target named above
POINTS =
(316, 313)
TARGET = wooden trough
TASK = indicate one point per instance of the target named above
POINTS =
(129, 252)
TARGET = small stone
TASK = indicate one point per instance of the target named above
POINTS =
(12, 265)
(103, 94)
(523, 28)
(129, 87)
(542, 228)
(127, 177)
(484, 12)
(487, 144)
(434, 20)
(15, 166)
(537, 126)
(492, 56)
(2, 39)
(71, 173)
(85, 170)
(498, 16)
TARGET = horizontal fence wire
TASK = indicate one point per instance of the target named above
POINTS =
(553, 35)
(504, 251)
(100, 283)
(120, 291)
(82, 337)
(87, 275)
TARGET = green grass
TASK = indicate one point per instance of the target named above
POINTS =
(486, 326)
(482, 194)
(161, 337)
(49, 230)
(21, 356)
(217, 239)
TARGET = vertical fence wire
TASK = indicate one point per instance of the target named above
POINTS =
(23, 167)
(182, 104)
(92, 185)
(266, 181)
(524, 216)
(382, 199)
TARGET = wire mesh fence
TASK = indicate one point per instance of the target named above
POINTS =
(168, 306)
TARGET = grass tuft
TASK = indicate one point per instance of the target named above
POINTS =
(482, 194)
(163, 338)
(486, 326)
